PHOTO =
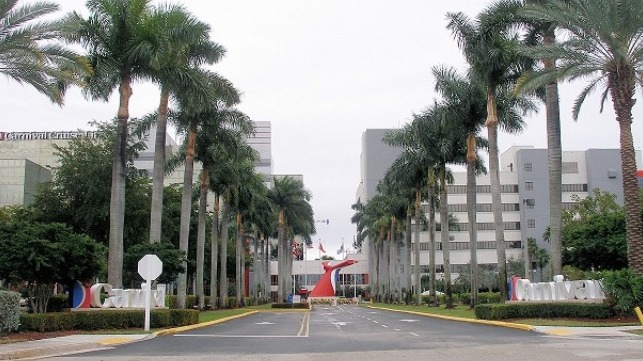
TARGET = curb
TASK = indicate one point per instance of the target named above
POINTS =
(517, 326)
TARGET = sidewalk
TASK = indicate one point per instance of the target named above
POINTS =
(51, 347)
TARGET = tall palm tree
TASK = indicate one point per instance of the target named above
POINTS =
(193, 117)
(29, 53)
(507, 13)
(602, 45)
(187, 47)
(496, 65)
(466, 102)
(111, 36)
(291, 200)
(411, 170)
(449, 143)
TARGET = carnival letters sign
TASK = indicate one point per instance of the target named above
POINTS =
(86, 296)
(48, 135)
(559, 290)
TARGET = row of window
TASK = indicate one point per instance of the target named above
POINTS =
(455, 268)
(512, 188)
(487, 207)
(489, 226)
(313, 279)
(458, 246)
(462, 188)
(567, 167)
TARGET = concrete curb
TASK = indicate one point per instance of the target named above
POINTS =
(517, 326)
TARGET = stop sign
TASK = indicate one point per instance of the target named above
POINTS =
(150, 267)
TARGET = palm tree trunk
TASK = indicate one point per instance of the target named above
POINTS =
(554, 153)
(444, 238)
(158, 173)
(408, 241)
(200, 241)
(376, 279)
(418, 270)
(621, 83)
(223, 275)
(186, 208)
(471, 213)
(214, 253)
(238, 247)
(282, 287)
(496, 202)
(267, 280)
(256, 265)
(117, 200)
(431, 197)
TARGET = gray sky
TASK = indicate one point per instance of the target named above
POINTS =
(322, 72)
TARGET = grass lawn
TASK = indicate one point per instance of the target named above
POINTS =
(465, 312)
(207, 316)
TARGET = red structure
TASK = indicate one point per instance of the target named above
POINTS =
(326, 286)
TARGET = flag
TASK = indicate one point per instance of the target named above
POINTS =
(321, 248)
(341, 249)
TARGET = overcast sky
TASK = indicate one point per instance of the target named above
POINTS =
(322, 72)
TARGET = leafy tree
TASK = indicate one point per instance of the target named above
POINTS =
(29, 52)
(594, 235)
(42, 254)
(171, 257)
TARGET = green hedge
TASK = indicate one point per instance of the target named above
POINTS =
(9, 311)
(105, 320)
(543, 310)
(290, 305)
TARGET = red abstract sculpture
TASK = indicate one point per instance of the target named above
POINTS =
(327, 284)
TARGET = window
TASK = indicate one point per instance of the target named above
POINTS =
(570, 168)
(530, 203)
(531, 223)
(528, 167)
(574, 187)
(529, 186)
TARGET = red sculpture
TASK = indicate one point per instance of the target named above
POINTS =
(327, 284)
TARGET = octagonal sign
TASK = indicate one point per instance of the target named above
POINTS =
(150, 267)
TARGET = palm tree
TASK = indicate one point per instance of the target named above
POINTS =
(411, 170)
(28, 53)
(602, 45)
(466, 103)
(110, 35)
(496, 65)
(188, 47)
(291, 200)
(508, 13)
(193, 117)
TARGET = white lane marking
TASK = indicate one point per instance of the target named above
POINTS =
(414, 334)
(397, 329)
(375, 321)
(339, 323)
(385, 326)
(408, 320)
(264, 323)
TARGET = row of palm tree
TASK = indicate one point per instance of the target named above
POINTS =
(125, 41)
(513, 56)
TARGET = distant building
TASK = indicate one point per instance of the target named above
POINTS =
(524, 178)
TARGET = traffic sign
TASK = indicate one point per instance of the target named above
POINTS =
(150, 267)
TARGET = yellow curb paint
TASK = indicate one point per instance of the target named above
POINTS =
(639, 314)
(559, 332)
(114, 341)
(518, 326)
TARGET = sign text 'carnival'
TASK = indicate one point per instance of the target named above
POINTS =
(62, 135)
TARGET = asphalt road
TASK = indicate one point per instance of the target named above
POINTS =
(359, 333)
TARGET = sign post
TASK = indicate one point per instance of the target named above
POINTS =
(149, 267)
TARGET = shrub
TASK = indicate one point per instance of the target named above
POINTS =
(624, 290)
(105, 320)
(543, 310)
(57, 303)
(9, 311)
(290, 305)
